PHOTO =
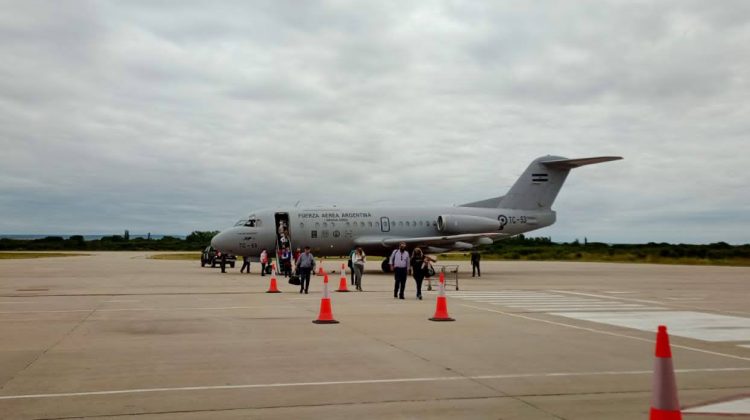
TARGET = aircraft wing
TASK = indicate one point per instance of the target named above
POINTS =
(439, 241)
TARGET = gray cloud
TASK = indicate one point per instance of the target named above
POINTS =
(153, 117)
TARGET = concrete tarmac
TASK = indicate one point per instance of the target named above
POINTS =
(121, 335)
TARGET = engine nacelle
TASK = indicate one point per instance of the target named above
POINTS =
(454, 224)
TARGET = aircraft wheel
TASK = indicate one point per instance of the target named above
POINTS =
(385, 266)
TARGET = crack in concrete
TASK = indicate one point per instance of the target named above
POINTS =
(55, 344)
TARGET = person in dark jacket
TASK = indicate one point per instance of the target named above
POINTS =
(245, 264)
(223, 262)
(475, 257)
(417, 262)
(419, 268)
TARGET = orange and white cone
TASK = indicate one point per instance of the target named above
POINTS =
(664, 403)
(441, 310)
(326, 314)
(273, 287)
(342, 283)
(320, 269)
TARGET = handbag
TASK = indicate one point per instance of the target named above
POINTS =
(429, 271)
(294, 279)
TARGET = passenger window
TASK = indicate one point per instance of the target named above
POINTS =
(347, 224)
(369, 224)
(401, 224)
(325, 224)
(301, 225)
(317, 224)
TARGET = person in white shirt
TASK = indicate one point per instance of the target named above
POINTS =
(399, 263)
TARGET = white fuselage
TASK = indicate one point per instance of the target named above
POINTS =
(333, 231)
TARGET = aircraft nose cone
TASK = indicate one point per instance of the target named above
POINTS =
(219, 241)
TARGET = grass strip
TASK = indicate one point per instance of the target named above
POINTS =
(186, 256)
(31, 255)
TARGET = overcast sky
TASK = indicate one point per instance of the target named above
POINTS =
(171, 116)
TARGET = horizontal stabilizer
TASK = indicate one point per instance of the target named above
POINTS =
(490, 203)
(575, 163)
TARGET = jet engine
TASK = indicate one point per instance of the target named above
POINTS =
(455, 224)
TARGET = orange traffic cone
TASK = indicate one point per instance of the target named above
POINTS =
(320, 269)
(664, 404)
(441, 310)
(342, 283)
(326, 315)
(273, 288)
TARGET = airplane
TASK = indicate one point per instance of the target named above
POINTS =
(335, 231)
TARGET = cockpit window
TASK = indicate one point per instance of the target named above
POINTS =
(241, 222)
(251, 223)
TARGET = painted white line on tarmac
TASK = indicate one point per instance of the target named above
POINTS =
(589, 303)
(697, 325)
(741, 406)
(218, 308)
(362, 382)
(547, 302)
(624, 310)
(684, 299)
(614, 334)
(121, 301)
(607, 297)
(535, 300)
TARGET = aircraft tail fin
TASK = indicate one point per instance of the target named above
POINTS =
(538, 186)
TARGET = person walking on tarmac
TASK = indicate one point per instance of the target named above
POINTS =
(419, 266)
(399, 263)
(223, 262)
(286, 262)
(245, 264)
(306, 265)
(475, 257)
(358, 266)
(263, 261)
(350, 263)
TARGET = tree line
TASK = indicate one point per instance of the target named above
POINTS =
(195, 241)
(522, 248)
(516, 248)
